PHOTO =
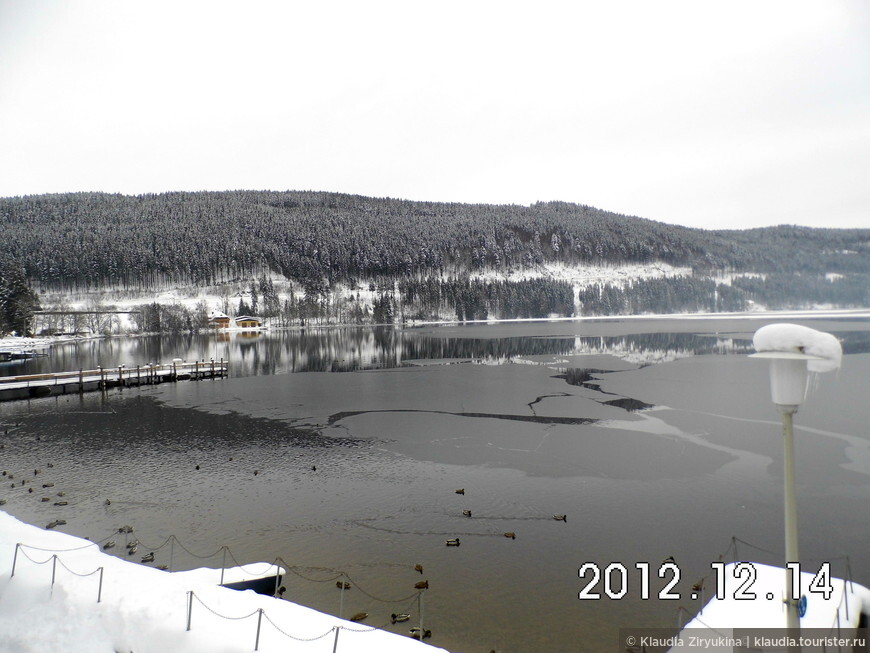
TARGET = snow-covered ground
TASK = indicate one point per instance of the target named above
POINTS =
(144, 610)
(832, 611)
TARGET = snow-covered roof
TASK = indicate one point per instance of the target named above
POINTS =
(145, 610)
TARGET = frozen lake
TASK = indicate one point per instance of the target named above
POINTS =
(656, 438)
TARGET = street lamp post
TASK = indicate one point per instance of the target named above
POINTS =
(788, 386)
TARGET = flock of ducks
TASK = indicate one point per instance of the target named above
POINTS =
(416, 632)
(131, 546)
(59, 499)
(454, 541)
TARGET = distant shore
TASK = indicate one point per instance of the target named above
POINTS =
(17, 343)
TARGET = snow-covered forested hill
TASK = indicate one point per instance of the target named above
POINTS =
(325, 257)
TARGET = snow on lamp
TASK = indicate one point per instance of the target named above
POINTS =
(794, 351)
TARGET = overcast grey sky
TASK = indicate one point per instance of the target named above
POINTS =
(705, 113)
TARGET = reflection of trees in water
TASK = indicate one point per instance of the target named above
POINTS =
(360, 348)
(427, 347)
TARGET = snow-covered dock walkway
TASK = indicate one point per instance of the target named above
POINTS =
(44, 385)
(51, 604)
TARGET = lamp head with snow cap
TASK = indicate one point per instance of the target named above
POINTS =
(794, 351)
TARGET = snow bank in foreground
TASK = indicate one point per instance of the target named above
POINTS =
(794, 338)
(145, 610)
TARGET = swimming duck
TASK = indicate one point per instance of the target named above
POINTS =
(467, 513)
(563, 518)
(107, 502)
(422, 585)
(133, 543)
(452, 542)
(163, 567)
(44, 499)
(460, 490)
(3, 503)
(511, 535)
(48, 485)
(109, 544)
(397, 618)
(132, 549)
(342, 586)
(418, 567)
(415, 633)
(148, 557)
(61, 503)
(359, 616)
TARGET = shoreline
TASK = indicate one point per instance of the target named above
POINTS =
(30, 343)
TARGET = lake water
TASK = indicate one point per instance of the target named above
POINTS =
(340, 451)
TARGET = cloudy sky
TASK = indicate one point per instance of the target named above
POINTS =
(703, 113)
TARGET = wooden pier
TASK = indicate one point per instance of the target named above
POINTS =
(32, 386)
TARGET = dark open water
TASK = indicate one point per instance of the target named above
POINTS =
(655, 437)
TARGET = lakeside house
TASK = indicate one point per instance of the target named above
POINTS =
(218, 320)
(248, 322)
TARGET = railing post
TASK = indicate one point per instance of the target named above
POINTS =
(846, 598)
(100, 589)
(53, 568)
(259, 621)
(277, 578)
(223, 564)
(189, 607)
(335, 643)
(15, 559)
